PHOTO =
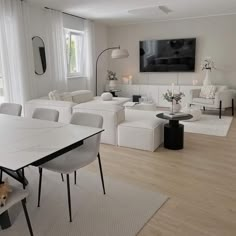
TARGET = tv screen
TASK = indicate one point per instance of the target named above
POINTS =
(173, 55)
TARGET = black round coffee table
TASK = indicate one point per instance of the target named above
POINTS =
(174, 131)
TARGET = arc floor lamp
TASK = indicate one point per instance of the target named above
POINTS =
(117, 53)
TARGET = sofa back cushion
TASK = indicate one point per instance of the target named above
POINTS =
(81, 96)
(208, 92)
(78, 96)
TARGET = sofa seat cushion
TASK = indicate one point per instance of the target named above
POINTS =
(97, 107)
(137, 115)
(141, 134)
(115, 100)
(203, 101)
(144, 124)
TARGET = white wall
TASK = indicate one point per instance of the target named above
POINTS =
(101, 43)
(37, 28)
(216, 37)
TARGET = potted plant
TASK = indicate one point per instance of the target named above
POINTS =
(207, 65)
(174, 98)
(111, 76)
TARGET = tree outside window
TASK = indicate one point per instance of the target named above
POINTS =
(75, 52)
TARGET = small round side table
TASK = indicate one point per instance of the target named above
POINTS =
(174, 132)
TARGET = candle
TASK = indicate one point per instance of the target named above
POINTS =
(173, 89)
(125, 80)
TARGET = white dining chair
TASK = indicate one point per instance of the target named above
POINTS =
(11, 109)
(82, 156)
(16, 196)
(46, 114)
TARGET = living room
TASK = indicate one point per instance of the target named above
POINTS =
(125, 110)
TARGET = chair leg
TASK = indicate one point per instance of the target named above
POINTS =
(75, 177)
(40, 185)
(23, 178)
(69, 196)
(232, 107)
(62, 177)
(27, 217)
(220, 111)
(0, 175)
(101, 173)
(5, 221)
(204, 108)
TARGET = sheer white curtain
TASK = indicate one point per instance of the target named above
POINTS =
(57, 54)
(89, 48)
(14, 51)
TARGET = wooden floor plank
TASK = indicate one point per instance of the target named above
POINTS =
(200, 181)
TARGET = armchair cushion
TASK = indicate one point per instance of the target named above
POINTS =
(208, 92)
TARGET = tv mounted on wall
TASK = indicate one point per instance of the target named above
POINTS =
(173, 55)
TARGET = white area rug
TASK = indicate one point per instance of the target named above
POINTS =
(123, 211)
(210, 125)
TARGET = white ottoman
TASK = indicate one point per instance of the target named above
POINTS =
(142, 134)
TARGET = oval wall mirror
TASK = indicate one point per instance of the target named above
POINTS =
(40, 63)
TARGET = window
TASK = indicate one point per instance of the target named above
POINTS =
(75, 52)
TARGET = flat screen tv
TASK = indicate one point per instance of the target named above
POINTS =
(173, 55)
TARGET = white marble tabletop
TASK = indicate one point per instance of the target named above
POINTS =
(24, 141)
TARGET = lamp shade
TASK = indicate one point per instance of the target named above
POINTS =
(119, 53)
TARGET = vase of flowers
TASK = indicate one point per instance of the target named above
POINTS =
(111, 76)
(174, 99)
(207, 65)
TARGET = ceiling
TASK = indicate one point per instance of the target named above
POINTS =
(116, 12)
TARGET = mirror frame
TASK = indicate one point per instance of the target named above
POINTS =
(41, 58)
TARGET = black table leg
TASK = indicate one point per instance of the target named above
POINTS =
(18, 175)
(174, 135)
(5, 220)
(232, 107)
(113, 94)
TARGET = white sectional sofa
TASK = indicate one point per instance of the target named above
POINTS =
(133, 129)
(82, 101)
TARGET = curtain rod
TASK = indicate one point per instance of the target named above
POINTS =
(66, 13)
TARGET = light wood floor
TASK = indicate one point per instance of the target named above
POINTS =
(200, 181)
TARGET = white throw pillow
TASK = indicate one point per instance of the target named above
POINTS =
(208, 92)
(106, 96)
(54, 95)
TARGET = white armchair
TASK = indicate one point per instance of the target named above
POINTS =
(224, 98)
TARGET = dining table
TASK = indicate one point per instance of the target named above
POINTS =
(26, 141)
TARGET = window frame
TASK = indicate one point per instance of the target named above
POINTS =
(80, 74)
